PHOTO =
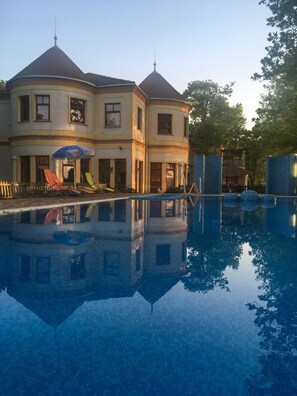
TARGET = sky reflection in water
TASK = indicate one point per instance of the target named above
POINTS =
(159, 298)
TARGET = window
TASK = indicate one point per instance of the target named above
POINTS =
(42, 269)
(120, 174)
(139, 118)
(112, 263)
(164, 124)
(77, 111)
(170, 209)
(40, 216)
(68, 216)
(84, 167)
(184, 251)
(25, 218)
(137, 259)
(25, 268)
(24, 108)
(186, 126)
(170, 176)
(120, 211)
(25, 169)
(112, 115)
(156, 177)
(104, 171)
(77, 267)
(163, 254)
(42, 162)
(104, 211)
(155, 209)
(42, 107)
(138, 210)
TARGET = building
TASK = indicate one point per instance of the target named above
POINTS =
(139, 132)
(235, 173)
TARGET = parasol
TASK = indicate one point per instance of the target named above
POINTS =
(73, 153)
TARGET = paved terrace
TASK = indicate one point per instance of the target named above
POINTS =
(22, 204)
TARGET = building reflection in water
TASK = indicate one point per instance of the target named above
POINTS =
(115, 249)
(65, 256)
(107, 250)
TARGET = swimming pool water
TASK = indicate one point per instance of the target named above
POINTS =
(149, 298)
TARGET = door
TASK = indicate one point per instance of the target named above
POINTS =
(120, 174)
(170, 176)
(104, 171)
(84, 167)
(156, 177)
(139, 176)
(25, 169)
(42, 162)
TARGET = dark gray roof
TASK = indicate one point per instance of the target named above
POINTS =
(155, 86)
(99, 80)
(55, 63)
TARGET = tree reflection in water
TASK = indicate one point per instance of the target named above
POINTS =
(209, 254)
(274, 256)
(276, 315)
(208, 257)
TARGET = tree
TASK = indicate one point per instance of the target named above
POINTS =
(281, 58)
(213, 121)
(2, 84)
(277, 118)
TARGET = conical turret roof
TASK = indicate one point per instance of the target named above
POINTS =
(156, 87)
(54, 63)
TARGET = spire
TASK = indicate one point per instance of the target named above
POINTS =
(55, 36)
(155, 63)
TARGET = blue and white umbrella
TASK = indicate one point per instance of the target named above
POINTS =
(72, 238)
(73, 153)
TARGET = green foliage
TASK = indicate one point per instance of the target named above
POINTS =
(254, 146)
(281, 58)
(2, 84)
(213, 121)
(276, 122)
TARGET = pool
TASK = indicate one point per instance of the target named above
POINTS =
(149, 298)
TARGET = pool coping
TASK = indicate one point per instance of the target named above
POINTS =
(17, 205)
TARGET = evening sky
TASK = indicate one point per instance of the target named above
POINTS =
(221, 40)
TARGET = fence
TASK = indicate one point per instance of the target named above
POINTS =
(14, 189)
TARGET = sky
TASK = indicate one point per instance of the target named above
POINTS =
(220, 40)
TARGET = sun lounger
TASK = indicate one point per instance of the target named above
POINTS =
(54, 182)
(51, 216)
(97, 186)
(79, 189)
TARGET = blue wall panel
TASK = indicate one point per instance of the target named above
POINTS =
(199, 171)
(213, 174)
(208, 173)
(280, 175)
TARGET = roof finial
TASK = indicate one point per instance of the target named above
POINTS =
(55, 37)
(155, 63)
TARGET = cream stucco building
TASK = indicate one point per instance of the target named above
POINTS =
(139, 132)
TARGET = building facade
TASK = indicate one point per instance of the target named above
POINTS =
(139, 132)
